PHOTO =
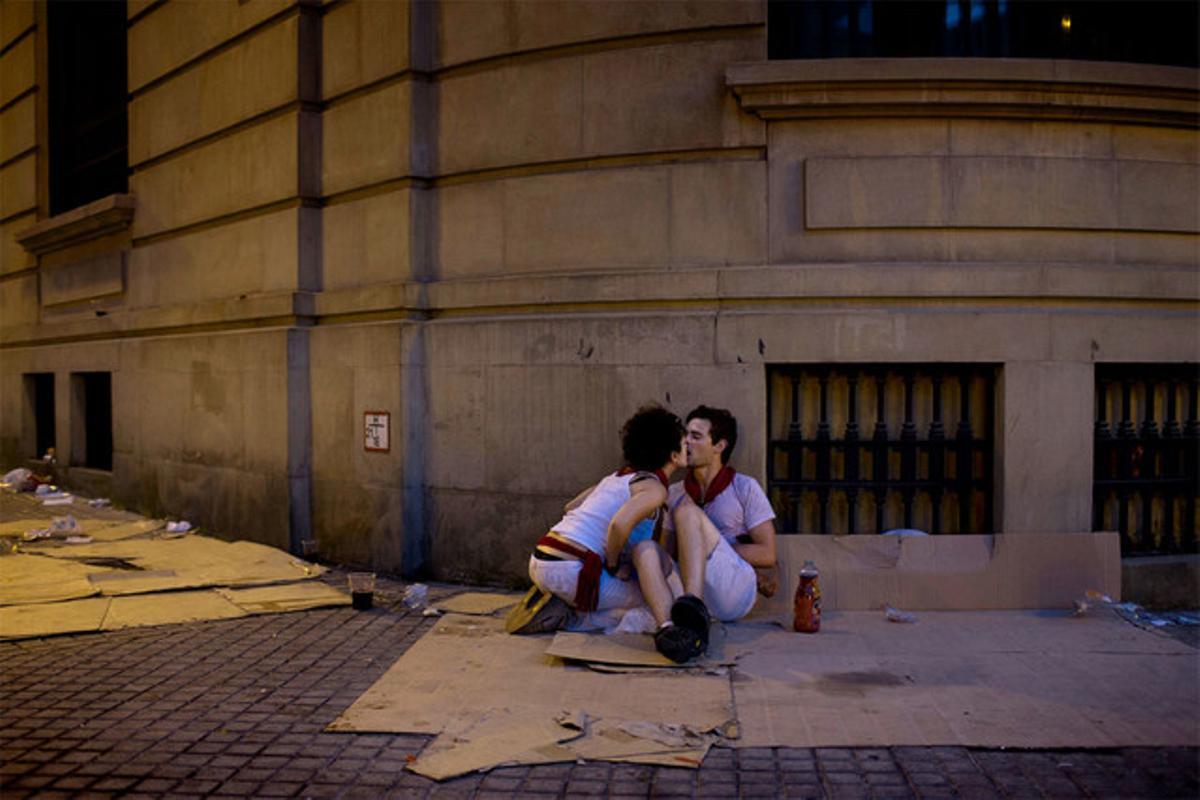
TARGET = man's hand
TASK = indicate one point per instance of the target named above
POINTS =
(767, 579)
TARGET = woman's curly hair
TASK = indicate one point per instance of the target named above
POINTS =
(649, 437)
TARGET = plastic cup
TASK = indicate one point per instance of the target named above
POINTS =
(362, 589)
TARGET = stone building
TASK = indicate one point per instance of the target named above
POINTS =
(389, 275)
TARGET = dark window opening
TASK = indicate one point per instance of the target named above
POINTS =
(1147, 456)
(867, 448)
(92, 444)
(39, 391)
(1143, 31)
(87, 101)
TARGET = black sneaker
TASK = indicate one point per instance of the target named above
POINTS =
(677, 643)
(690, 612)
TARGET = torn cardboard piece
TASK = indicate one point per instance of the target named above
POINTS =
(135, 611)
(498, 737)
(484, 603)
(466, 668)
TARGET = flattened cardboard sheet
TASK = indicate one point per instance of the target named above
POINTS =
(500, 736)
(285, 597)
(34, 578)
(477, 603)
(52, 619)
(168, 608)
(978, 679)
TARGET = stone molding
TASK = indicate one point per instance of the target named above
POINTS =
(1027, 89)
(103, 217)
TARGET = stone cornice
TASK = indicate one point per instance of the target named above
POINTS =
(102, 217)
(1082, 91)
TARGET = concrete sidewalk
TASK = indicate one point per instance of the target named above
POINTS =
(237, 708)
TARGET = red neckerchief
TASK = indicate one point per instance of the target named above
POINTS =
(718, 485)
(658, 473)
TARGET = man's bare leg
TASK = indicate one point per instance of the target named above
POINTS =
(697, 537)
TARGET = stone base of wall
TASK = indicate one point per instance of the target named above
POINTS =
(1162, 581)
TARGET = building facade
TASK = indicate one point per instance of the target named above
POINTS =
(389, 275)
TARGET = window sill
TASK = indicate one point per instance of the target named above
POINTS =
(103, 217)
(967, 87)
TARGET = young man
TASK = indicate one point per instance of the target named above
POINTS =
(584, 561)
(723, 522)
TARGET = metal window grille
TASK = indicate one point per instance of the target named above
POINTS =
(871, 447)
(1147, 456)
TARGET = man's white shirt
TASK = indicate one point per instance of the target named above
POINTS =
(734, 511)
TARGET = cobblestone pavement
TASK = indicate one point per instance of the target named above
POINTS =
(237, 708)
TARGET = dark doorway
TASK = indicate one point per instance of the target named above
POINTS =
(93, 405)
(39, 389)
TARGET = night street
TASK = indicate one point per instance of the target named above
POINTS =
(237, 708)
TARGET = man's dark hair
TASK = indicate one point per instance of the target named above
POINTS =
(723, 426)
(649, 437)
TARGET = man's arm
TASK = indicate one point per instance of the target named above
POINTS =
(757, 545)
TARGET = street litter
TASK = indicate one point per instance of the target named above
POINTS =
(56, 498)
(1092, 599)
(64, 525)
(100, 502)
(416, 596)
(18, 479)
(896, 615)
(182, 526)
(80, 539)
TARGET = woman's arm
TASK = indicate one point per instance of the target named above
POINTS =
(646, 497)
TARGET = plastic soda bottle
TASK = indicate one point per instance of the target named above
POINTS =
(808, 600)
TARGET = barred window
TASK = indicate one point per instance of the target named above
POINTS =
(865, 448)
(1147, 456)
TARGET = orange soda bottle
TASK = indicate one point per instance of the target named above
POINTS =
(808, 600)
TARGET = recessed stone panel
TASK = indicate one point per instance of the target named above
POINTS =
(98, 276)
(364, 40)
(365, 140)
(367, 241)
(18, 128)
(249, 78)
(172, 35)
(250, 168)
(969, 192)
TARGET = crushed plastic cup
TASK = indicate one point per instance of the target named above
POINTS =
(182, 526)
(416, 596)
(896, 615)
(362, 590)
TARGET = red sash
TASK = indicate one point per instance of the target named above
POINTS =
(587, 591)
(718, 485)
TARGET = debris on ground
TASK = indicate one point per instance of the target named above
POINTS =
(896, 615)
(416, 596)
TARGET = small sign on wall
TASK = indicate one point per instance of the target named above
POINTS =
(377, 431)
